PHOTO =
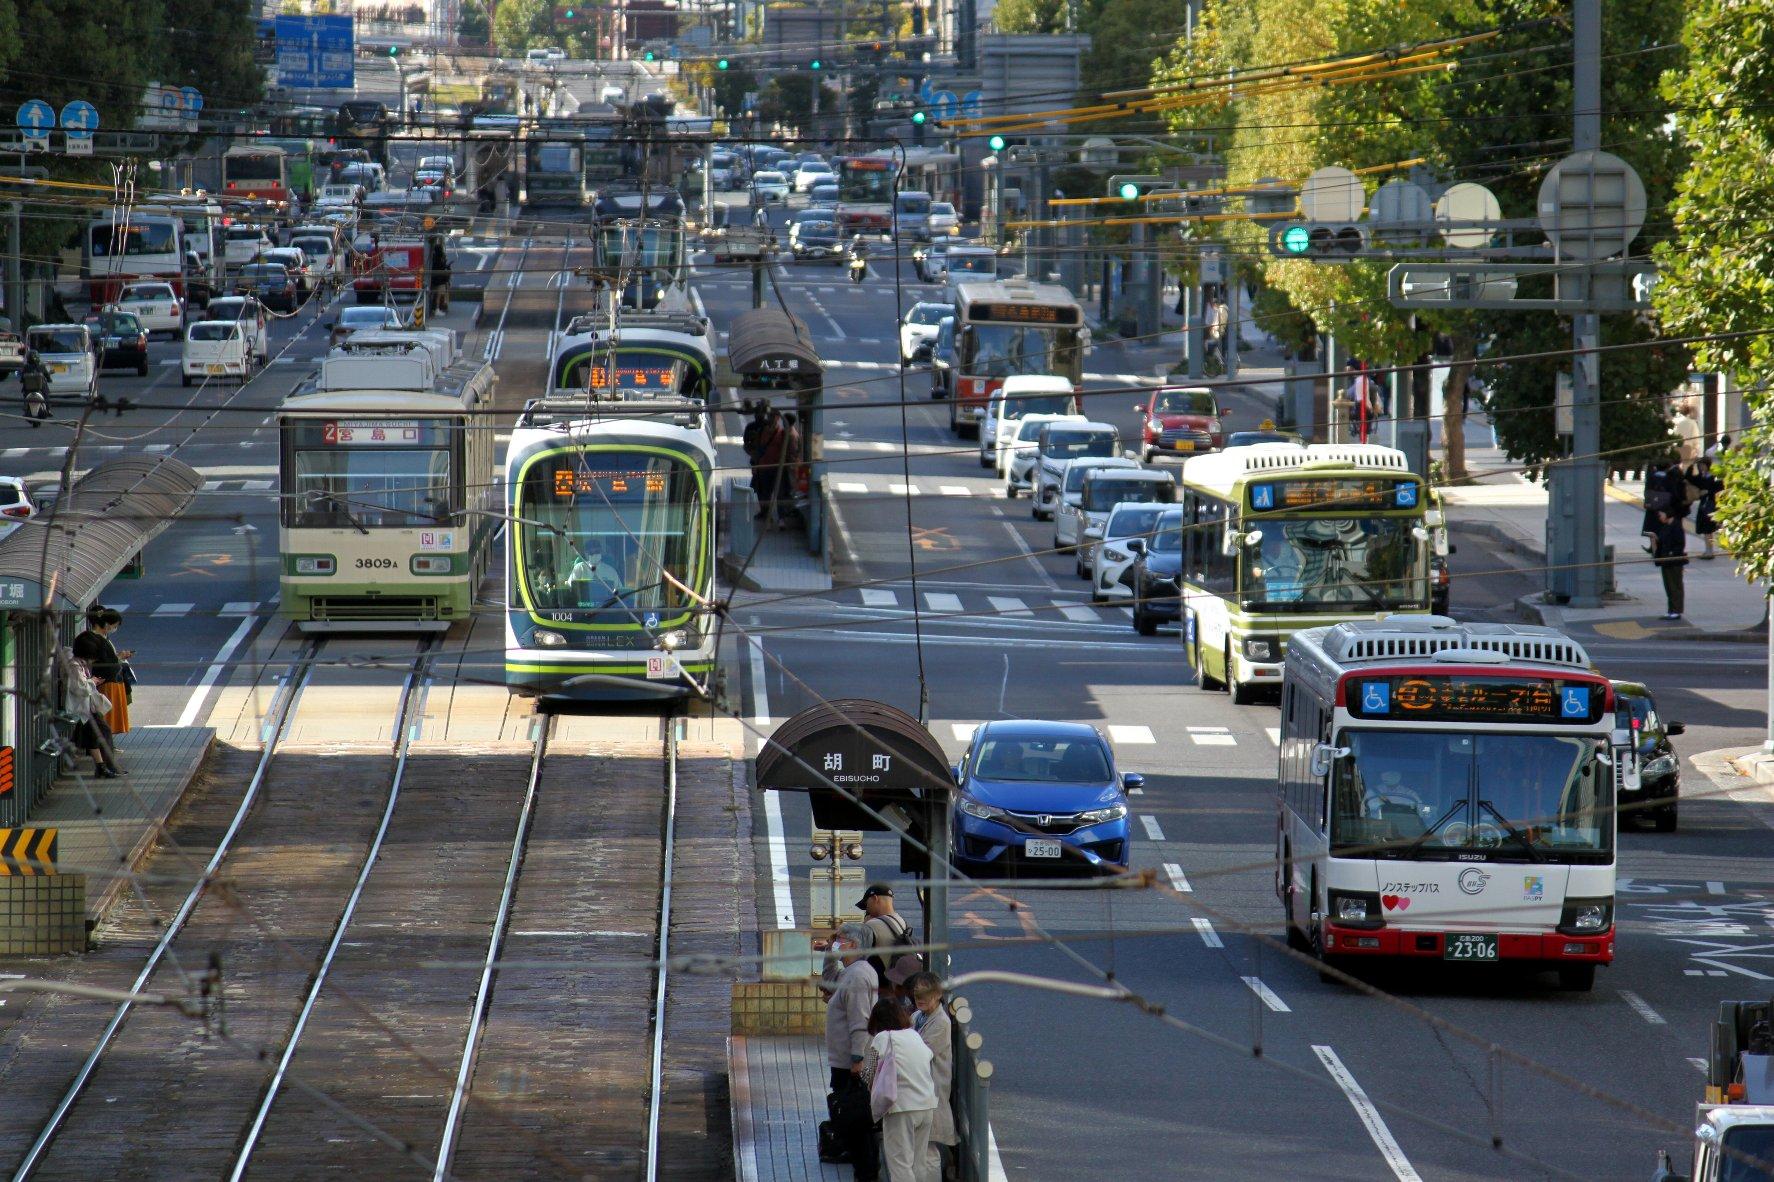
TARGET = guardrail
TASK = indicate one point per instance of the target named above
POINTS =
(970, 1095)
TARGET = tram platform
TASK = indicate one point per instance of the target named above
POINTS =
(778, 1086)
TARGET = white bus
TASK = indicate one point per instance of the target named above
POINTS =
(1444, 793)
(125, 246)
(203, 221)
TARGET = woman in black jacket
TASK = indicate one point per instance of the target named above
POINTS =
(94, 646)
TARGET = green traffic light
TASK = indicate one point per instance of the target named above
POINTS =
(918, 117)
(1296, 239)
(650, 55)
(1129, 191)
(569, 14)
(815, 63)
(394, 51)
(721, 65)
(996, 143)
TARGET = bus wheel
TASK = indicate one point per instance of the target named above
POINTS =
(1203, 679)
(1576, 978)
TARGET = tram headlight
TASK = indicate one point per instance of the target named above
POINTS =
(431, 564)
(1586, 916)
(315, 564)
(547, 639)
(675, 639)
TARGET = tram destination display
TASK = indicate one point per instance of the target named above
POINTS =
(1424, 697)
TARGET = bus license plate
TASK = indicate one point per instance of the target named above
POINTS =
(1040, 847)
(58, 369)
(1184, 445)
(1467, 946)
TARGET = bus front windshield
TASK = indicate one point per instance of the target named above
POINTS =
(861, 182)
(1014, 350)
(1436, 794)
(599, 530)
(1333, 563)
(111, 239)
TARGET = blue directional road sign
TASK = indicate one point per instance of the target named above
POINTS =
(36, 119)
(80, 119)
(316, 52)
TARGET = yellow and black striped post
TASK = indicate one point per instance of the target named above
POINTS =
(27, 852)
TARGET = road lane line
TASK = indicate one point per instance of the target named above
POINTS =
(1079, 613)
(877, 597)
(850, 486)
(1213, 740)
(1132, 735)
(1274, 733)
(1178, 880)
(774, 838)
(1715, 888)
(904, 490)
(1699, 1064)
(1267, 995)
(1150, 823)
(1369, 1116)
(1006, 605)
(1209, 937)
(1023, 545)
(173, 609)
(188, 716)
(760, 685)
(942, 601)
(1641, 1007)
(954, 490)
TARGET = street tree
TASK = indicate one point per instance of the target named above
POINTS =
(1716, 266)
(519, 25)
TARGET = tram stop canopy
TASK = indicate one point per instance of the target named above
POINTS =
(854, 755)
(768, 343)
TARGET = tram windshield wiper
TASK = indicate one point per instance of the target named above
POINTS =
(1520, 837)
(331, 505)
(625, 592)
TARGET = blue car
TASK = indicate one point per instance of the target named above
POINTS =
(1156, 577)
(1040, 796)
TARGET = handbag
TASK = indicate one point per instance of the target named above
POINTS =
(884, 1091)
(126, 674)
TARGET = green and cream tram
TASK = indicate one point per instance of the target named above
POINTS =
(652, 355)
(387, 486)
(610, 558)
(1278, 537)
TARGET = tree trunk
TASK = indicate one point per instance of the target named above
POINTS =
(1453, 420)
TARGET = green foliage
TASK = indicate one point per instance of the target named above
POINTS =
(731, 86)
(209, 44)
(520, 25)
(788, 99)
(1030, 16)
(473, 24)
(1718, 266)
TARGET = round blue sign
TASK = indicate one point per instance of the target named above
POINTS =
(80, 119)
(36, 117)
(193, 99)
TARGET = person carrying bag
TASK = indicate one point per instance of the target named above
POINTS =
(108, 664)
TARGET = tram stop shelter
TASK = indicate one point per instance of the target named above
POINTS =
(771, 356)
(866, 765)
(52, 568)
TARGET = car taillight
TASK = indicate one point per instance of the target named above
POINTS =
(16, 511)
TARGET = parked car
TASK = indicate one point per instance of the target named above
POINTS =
(1040, 796)
(70, 355)
(16, 505)
(359, 317)
(769, 185)
(942, 219)
(122, 341)
(1647, 774)
(214, 349)
(1068, 510)
(156, 305)
(254, 322)
(917, 333)
(1157, 575)
(1180, 420)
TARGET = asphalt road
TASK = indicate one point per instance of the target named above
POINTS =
(1257, 1068)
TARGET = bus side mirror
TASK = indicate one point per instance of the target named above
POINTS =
(1324, 757)
(1676, 728)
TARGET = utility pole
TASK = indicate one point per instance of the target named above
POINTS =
(1584, 484)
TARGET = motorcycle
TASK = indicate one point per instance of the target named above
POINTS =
(859, 267)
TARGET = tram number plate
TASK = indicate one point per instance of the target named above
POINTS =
(1041, 847)
(1468, 946)
(663, 667)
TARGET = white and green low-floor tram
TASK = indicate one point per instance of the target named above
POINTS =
(648, 355)
(1282, 536)
(610, 555)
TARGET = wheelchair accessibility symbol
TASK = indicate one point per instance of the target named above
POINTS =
(1376, 697)
(651, 619)
(1574, 702)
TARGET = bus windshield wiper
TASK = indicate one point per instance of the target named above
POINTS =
(1416, 847)
(1522, 838)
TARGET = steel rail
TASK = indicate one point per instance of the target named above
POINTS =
(283, 708)
(656, 1071)
(417, 677)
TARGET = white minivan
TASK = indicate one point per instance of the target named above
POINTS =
(1016, 399)
(215, 349)
(67, 352)
(1020, 452)
(242, 244)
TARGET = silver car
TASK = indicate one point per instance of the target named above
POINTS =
(1104, 491)
(1058, 443)
(1111, 564)
(1020, 451)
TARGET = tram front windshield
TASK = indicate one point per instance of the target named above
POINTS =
(369, 474)
(599, 530)
(1438, 794)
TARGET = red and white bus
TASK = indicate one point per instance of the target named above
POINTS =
(129, 245)
(256, 173)
(1445, 793)
(865, 194)
(1007, 328)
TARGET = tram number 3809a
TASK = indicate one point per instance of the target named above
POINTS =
(375, 563)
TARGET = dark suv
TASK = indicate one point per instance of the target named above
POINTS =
(1647, 774)
(121, 341)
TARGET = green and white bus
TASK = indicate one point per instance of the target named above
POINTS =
(1282, 536)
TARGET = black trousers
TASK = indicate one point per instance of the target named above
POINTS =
(1672, 585)
(856, 1125)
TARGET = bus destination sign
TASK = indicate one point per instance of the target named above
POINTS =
(1341, 493)
(1422, 697)
(1003, 313)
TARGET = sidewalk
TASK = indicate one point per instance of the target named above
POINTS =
(1506, 508)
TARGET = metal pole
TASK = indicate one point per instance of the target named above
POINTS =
(1575, 572)
(1196, 328)
(1152, 292)
(936, 921)
(1234, 310)
(15, 288)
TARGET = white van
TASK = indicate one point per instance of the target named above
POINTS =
(67, 352)
(1020, 454)
(1018, 397)
(215, 349)
(251, 315)
(614, 95)
(242, 244)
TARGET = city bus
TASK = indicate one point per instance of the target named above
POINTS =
(1010, 328)
(203, 221)
(1444, 793)
(129, 245)
(865, 193)
(255, 173)
(1284, 536)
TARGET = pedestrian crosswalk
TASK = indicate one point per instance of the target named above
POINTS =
(1127, 735)
(948, 603)
(899, 488)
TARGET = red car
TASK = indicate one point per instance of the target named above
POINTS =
(1181, 420)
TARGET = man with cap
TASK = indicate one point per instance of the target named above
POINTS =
(888, 930)
(846, 1042)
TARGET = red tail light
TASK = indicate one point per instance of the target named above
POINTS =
(16, 511)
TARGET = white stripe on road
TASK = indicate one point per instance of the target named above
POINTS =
(877, 597)
(1267, 994)
(1151, 826)
(1212, 739)
(194, 706)
(1006, 605)
(942, 601)
(174, 609)
(1641, 1007)
(1081, 614)
(1178, 880)
(850, 486)
(1132, 734)
(1274, 733)
(954, 490)
(1208, 936)
(1715, 888)
(904, 490)
(1023, 545)
(1699, 1064)
(239, 607)
(774, 834)
(1370, 1118)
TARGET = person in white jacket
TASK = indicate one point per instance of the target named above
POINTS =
(908, 1117)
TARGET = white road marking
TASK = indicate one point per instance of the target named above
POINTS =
(257, 485)
(1213, 739)
(883, 445)
(1699, 1063)
(1208, 936)
(1006, 605)
(1370, 1118)
(13, 453)
(954, 490)
(878, 597)
(1178, 880)
(942, 601)
(194, 705)
(1715, 888)
(1641, 1007)
(903, 490)
(1150, 824)
(773, 828)
(963, 731)
(1132, 734)
(850, 486)
(1274, 733)
(1267, 994)
(174, 609)
(239, 608)
(1080, 613)
(1040, 571)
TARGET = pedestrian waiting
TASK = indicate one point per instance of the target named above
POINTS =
(849, 1135)
(1669, 551)
(930, 1019)
(1703, 490)
(902, 1092)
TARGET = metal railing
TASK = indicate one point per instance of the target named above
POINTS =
(970, 1096)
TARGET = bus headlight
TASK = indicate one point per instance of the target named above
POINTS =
(1259, 650)
(315, 564)
(431, 564)
(1354, 907)
(1586, 916)
(547, 639)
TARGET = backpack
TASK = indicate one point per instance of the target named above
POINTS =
(897, 969)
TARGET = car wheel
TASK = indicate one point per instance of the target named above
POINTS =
(985, 461)
(1010, 491)
(1078, 568)
(185, 379)
(1144, 624)
(1576, 978)
(142, 368)
(1663, 820)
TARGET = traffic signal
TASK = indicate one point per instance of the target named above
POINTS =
(569, 13)
(814, 64)
(996, 143)
(394, 51)
(649, 56)
(1128, 187)
(721, 65)
(919, 118)
(1324, 242)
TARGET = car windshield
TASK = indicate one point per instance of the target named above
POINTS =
(1430, 794)
(1017, 406)
(1030, 430)
(1105, 492)
(314, 245)
(1748, 1147)
(969, 263)
(205, 330)
(1183, 402)
(1636, 708)
(1333, 563)
(942, 209)
(1030, 759)
(1137, 522)
(156, 292)
(1075, 474)
(927, 314)
(264, 271)
(914, 203)
(371, 317)
(1169, 536)
(1071, 445)
(815, 228)
(64, 340)
(768, 178)
(119, 324)
(244, 234)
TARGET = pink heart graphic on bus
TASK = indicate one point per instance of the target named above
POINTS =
(1391, 902)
